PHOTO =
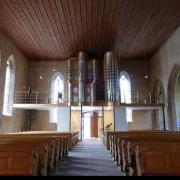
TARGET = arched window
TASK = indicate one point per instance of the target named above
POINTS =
(9, 87)
(57, 94)
(125, 90)
(57, 89)
(125, 87)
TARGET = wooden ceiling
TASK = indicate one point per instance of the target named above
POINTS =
(58, 29)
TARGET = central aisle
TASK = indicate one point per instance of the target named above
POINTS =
(89, 158)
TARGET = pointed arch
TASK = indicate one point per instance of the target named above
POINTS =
(171, 97)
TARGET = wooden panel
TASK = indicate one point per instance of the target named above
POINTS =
(161, 162)
(15, 162)
(155, 162)
(58, 29)
(94, 127)
(173, 160)
(20, 162)
(4, 161)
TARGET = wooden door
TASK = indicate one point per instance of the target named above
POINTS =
(94, 126)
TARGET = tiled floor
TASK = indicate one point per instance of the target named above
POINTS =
(89, 158)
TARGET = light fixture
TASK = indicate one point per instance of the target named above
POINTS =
(41, 75)
(146, 76)
(145, 68)
(54, 67)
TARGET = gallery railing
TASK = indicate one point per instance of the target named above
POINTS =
(37, 97)
(140, 97)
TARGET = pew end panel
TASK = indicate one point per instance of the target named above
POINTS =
(159, 163)
(18, 161)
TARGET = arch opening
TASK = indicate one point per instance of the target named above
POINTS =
(177, 101)
(172, 95)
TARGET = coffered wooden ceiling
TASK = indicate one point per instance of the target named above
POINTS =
(58, 29)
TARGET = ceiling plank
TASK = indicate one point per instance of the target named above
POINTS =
(58, 29)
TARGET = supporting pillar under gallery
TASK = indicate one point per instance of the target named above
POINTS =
(120, 119)
(64, 119)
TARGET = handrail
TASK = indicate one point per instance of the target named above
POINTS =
(32, 92)
(35, 97)
(38, 97)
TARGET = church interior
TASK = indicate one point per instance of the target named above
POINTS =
(89, 87)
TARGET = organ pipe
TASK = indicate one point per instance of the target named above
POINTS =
(94, 69)
(82, 74)
(111, 71)
(69, 92)
(69, 81)
(82, 57)
(93, 83)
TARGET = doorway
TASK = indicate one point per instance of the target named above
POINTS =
(90, 125)
(86, 127)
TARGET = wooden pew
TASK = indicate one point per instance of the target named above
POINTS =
(105, 139)
(18, 160)
(151, 161)
(57, 148)
(45, 145)
(157, 146)
(152, 140)
(65, 141)
(53, 147)
(73, 137)
(121, 152)
(113, 136)
(128, 145)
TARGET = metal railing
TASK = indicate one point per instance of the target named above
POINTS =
(142, 97)
(36, 97)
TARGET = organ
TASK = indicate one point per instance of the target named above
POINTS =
(82, 79)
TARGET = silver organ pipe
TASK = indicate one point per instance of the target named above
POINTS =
(82, 74)
(82, 57)
(69, 82)
(93, 83)
(111, 71)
